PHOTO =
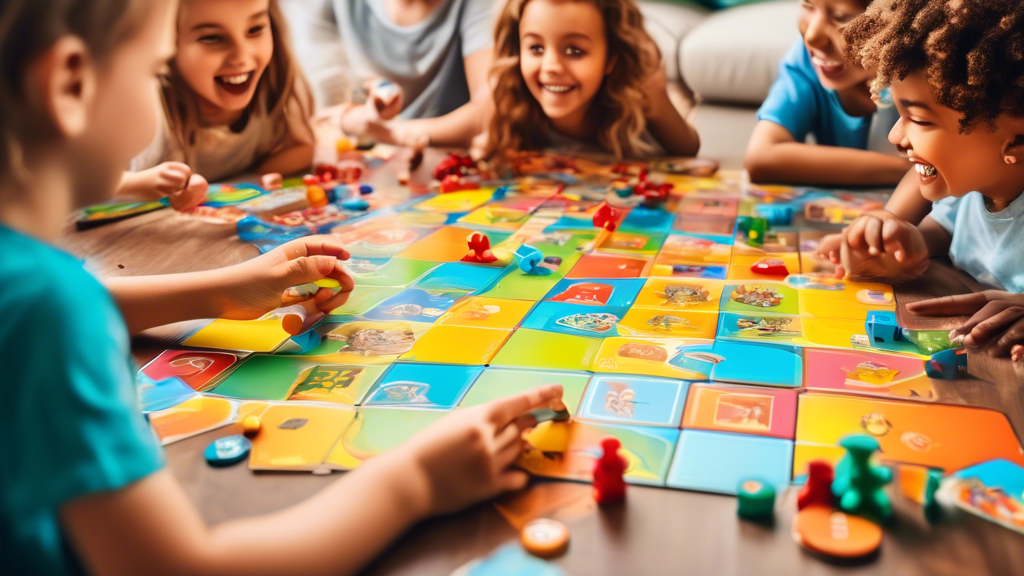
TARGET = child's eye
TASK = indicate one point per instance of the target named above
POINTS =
(211, 39)
(920, 122)
(574, 52)
(536, 49)
(256, 29)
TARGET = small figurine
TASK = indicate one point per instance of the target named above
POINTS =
(818, 489)
(609, 485)
(606, 217)
(858, 483)
(479, 249)
(530, 261)
(316, 196)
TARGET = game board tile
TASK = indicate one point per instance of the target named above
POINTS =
(379, 237)
(201, 414)
(156, 395)
(361, 300)
(495, 217)
(691, 249)
(661, 269)
(518, 285)
(767, 364)
(641, 322)
(574, 319)
(681, 294)
(712, 206)
(634, 400)
(284, 377)
(642, 243)
(457, 345)
(596, 291)
(399, 272)
(298, 436)
(448, 244)
(374, 431)
(460, 276)
(482, 312)
(197, 368)
(647, 220)
(719, 226)
(496, 383)
(547, 350)
(652, 357)
(648, 451)
(933, 435)
(759, 297)
(249, 335)
(455, 202)
(718, 461)
(417, 385)
(366, 343)
(416, 304)
(752, 410)
(867, 373)
(846, 300)
(756, 327)
(610, 266)
(775, 243)
(742, 266)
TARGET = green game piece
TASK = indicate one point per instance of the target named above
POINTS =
(753, 228)
(756, 500)
(929, 342)
(859, 484)
(932, 508)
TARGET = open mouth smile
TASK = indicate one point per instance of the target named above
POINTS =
(925, 171)
(236, 84)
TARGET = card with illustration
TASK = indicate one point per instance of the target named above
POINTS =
(817, 281)
(455, 202)
(742, 410)
(659, 323)
(376, 430)
(457, 345)
(298, 436)
(496, 383)
(558, 244)
(933, 435)
(836, 333)
(589, 321)
(482, 312)
(596, 292)
(416, 305)
(992, 490)
(717, 225)
(641, 243)
(249, 335)
(774, 297)
(195, 368)
(647, 220)
(666, 269)
(201, 414)
(547, 350)
(853, 302)
(378, 237)
(155, 395)
(361, 300)
(634, 400)
(380, 272)
(774, 267)
(709, 206)
(423, 385)
(649, 357)
(448, 244)
(367, 343)
(718, 462)
(647, 450)
(760, 327)
(270, 377)
(497, 217)
(695, 250)
(610, 266)
(519, 285)
(672, 294)
(870, 373)
(460, 276)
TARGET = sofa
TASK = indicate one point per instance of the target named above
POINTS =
(720, 63)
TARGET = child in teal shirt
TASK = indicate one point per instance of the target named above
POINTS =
(83, 486)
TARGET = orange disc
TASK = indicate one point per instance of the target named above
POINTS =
(545, 538)
(835, 533)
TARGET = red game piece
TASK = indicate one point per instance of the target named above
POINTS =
(310, 180)
(453, 164)
(818, 489)
(609, 485)
(770, 267)
(456, 183)
(479, 249)
(606, 217)
(326, 172)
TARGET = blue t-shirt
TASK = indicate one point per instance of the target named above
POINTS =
(69, 412)
(799, 103)
(986, 245)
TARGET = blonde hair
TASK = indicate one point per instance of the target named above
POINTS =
(519, 122)
(281, 85)
(30, 27)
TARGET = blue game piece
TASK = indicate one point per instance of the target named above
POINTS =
(228, 450)
(334, 194)
(530, 259)
(882, 328)
(947, 365)
(356, 203)
(365, 189)
(776, 214)
(500, 192)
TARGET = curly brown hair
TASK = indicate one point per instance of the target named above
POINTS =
(972, 52)
(519, 122)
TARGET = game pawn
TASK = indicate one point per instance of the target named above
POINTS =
(609, 485)
(818, 489)
(859, 485)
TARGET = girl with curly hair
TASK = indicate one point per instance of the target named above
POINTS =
(955, 69)
(575, 73)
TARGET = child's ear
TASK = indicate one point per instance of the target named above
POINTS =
(1013, 148)
(64, 82)
(612, 60)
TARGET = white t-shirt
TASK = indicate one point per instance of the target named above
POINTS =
(986, 245)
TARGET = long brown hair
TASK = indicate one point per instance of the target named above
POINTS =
(30, 27)
(282, 84)
(519, 122)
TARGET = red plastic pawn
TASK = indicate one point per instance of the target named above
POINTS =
(609, 485)
(456, 183)
(479, 249)
(310, 179)
(818, 489)
(606, 217)
(326, 172)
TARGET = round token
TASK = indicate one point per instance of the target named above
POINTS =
(831, 532)
(228, 450)
(251, 425)
(545, 538)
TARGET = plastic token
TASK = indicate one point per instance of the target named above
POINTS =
(834, 533)
(251, 425)
(545, 538)
(228, 450)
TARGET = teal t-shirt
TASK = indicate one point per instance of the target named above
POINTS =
(986, 245)
(69, 411)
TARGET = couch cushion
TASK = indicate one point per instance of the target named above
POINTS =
(734, 55)
(668, 23)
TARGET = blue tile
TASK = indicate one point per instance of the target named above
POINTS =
(423, 385)
(717, 462)
(639, 400)
(589, 321)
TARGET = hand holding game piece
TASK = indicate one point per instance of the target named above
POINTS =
(465, 457)
(385, 98)
(903, 255)
(193, 195)
(997, 317)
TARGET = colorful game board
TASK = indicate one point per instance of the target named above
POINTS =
(709, 357)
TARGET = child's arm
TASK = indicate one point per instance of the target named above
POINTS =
(997, 317)
(173, 179)
(667, 126)
(297, 158)
(461, 459)
(241, 292)
(773, 155)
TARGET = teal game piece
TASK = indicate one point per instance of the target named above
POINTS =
(228, 450)
(776, 214)
(858, 483)
(756, 500)
(947, 365)
(882, 328)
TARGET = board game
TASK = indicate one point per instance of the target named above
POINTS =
(712, 347)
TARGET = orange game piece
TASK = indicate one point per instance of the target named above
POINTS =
(251, 425)
(545, 538)
(834, 533)
(316, 196)
(609, 485)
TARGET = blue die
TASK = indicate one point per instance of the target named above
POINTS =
(882, 328)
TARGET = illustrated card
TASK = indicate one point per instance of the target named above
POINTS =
(869, 373)
(416, 305)
(760, 327)
(634, 400)
(589, 321)
(610, 266)
(298, 436)
(659, 323)
(196, 368)
(673, 294)
(496, 383)
(272, 377)
(481, 312)
(368, 343)
(423, 385)
(774, 297)
(457, 345)
(596, 292)
(742, 410)
(399, 272)
(718, 462)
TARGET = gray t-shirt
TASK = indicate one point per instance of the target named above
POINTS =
(425, 59)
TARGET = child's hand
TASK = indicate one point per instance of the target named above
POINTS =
(385, 98)
(464, 457)
(191, 196)
(253, 288)
(175, 180)
(881, 246)
(997, 317)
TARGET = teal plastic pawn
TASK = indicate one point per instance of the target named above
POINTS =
(859, 485)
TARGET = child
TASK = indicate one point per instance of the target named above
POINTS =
(233, 99)
(86, 489)
(818, 92)
(956, 71)
(577, 73)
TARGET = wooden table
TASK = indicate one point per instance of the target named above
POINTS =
(658, 531)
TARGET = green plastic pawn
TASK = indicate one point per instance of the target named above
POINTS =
(859, 485)
(754, 229)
